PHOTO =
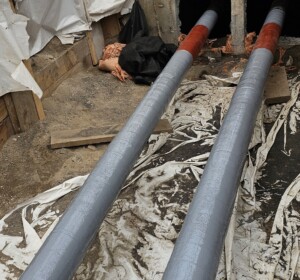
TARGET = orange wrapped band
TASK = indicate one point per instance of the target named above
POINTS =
(195, 40)
(268, 37)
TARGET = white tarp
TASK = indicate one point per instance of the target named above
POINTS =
(137, 237)
(52, 18)
(98, 9)
(250, 254)
(10, 245)
(14, 48)
(65, 18)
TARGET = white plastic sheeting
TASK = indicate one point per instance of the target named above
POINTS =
(34, 213)
(249, 253)
(52, 18)
(64, 19)
(137, 237)
(14, 48)
(98, 9)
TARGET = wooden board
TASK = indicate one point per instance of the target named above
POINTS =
(39, 107)
(96, 42)
(38, 103)
(277, 88)
(111, 28)
(3, 110)
(50, 76)
(6, 130)
(12, 112)
(88, 136)
(25, 108)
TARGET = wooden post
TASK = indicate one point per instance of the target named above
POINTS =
(162, 17)
(95, 40)
(111, 28)
(92, 48)
(238, 25)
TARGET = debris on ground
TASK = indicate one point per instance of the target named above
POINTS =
(227, 49)
(248, 42)
(145, 57)
(110, 61)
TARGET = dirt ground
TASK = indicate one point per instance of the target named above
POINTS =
(88, 99)
(91, 98)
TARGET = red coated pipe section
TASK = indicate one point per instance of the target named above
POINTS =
(196, 39)
(268, 37)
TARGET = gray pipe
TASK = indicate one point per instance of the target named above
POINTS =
(198, 248)
(64, 249)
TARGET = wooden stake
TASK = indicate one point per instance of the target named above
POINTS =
(238, 25)
(91, 45)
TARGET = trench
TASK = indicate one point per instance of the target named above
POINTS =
(190, 11)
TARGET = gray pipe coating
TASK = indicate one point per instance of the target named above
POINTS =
(65, 247)
(198, 248)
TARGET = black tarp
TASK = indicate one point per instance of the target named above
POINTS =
(145, 57)
(136, 26)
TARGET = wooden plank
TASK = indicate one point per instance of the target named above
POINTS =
(92, 47)
(39, 107)
(49, 77)
(38, 103)
(3, 110)
(88, 136)
(111, 28)
(238, 25)
(79, 66)
(98, 39)
(277, 87)
(25, 108)
(12, 5)
(6, 130)
(288, 42)
(12, 112)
